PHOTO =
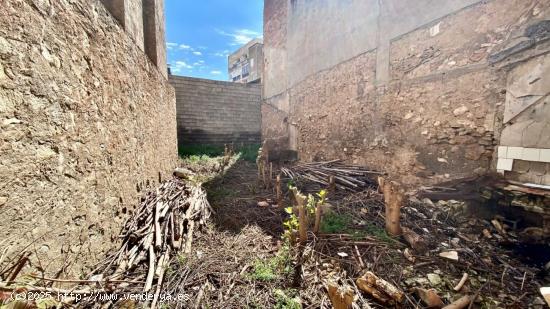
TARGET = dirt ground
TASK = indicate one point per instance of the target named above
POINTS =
(226, 268)
(239, 261)
(239, 257)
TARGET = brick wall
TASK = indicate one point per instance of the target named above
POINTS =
(216, 112)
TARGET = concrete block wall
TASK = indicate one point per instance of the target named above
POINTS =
(411, 88)
(215, 112)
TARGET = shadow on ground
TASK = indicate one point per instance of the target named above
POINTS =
(235, 196)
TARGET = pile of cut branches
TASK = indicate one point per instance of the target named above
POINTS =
(159, 228)
(333, 173)
(162, 225)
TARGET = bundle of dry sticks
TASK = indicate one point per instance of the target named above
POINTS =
(160, 227)
(333, 173)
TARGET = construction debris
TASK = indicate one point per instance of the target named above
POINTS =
(163, 225)
(451, 255)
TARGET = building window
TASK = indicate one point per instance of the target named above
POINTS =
(246, 70)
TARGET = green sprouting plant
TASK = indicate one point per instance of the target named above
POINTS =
(287, 300)
(310, 206)
(290, 225)
(291, 184)
(182, 259)
(273, 268)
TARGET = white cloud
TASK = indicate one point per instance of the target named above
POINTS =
(241, 36)
(183, 64)
(171, 46)
(197, 53)
(224, 53)
(179, 66)
(183, 46)
(215, 72)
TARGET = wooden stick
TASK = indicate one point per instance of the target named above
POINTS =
(85, 281)
(331, 184)
(301, 200)
(460, 303)
(386, 287)
(381, 182)
(279, 192)
(363, 285)
(151, 272)
(460, 284)
(270, 173)
(361, 263)
(318, 216)
(414, 240)
(158, 238)
(20, 264)
(189, 240)
(200, 295)
(160, 269)
(393, 197)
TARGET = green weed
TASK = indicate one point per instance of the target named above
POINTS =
(287, 300)
(199, 152)
(333, 223)
(273, 268)
(379, 233)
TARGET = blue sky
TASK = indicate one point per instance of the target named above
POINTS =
(201, 33)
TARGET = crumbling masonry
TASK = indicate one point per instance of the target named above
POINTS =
(425, 90)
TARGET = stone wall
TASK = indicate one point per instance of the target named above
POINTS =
(410, 89)
(215, 112)
(87, 124)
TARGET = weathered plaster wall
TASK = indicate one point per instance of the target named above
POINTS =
(275, 37)
(87, 123)
(406, 88)
(129, 14)
(318, 38)
(213, 112)
(154, 33)
(524, 151)
(144, 23)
